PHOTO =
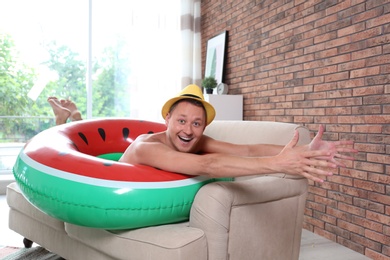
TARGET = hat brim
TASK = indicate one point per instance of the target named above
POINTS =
(210, 111)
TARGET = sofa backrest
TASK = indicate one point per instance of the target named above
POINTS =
(251, 132)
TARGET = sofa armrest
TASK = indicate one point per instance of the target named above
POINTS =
(258, 218)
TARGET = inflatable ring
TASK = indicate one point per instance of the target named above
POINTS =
(70, 172)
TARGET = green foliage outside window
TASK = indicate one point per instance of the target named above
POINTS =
(16, 80)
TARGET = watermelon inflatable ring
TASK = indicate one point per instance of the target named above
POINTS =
(71, 172)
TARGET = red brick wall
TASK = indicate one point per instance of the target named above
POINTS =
(320, 62)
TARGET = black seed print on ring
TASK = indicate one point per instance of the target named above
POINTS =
(125, 133)
(150, 132)
(83, 137)
(102, 133)
(75, 146)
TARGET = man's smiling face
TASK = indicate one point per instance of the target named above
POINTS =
(185, 125)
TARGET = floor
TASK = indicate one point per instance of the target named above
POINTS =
(313, 247)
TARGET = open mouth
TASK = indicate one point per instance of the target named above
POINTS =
(185, 139)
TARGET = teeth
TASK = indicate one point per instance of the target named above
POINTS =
(185, 139)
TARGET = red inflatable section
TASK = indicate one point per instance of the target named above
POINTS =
(73, 148)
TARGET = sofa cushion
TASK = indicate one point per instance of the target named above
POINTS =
(18, 202)
(175, 241)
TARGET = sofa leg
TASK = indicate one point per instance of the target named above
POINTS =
(27, 243)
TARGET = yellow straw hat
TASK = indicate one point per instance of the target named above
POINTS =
(191, 92)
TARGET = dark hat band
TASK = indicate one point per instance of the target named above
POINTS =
(191, 95)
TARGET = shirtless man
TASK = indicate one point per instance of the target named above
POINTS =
(183, 147)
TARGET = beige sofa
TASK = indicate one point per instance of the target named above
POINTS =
(250, 218)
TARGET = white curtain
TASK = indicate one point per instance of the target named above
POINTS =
(191, 43)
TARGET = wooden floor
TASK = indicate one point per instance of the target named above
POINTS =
(313, 247)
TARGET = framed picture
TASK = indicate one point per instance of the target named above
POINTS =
(215, 56)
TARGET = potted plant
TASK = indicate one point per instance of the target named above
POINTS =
(209, 83)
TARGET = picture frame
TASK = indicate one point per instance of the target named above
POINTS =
(215, 57)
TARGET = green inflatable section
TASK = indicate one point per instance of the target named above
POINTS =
(111, 156)
(104, 207)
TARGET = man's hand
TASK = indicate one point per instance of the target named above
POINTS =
(335, 148)
(301, 161)
(304, 160)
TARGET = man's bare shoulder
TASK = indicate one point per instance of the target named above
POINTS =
(134, 151)
(145, 141)
(156, 137)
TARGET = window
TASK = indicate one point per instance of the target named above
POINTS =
(117, 58)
